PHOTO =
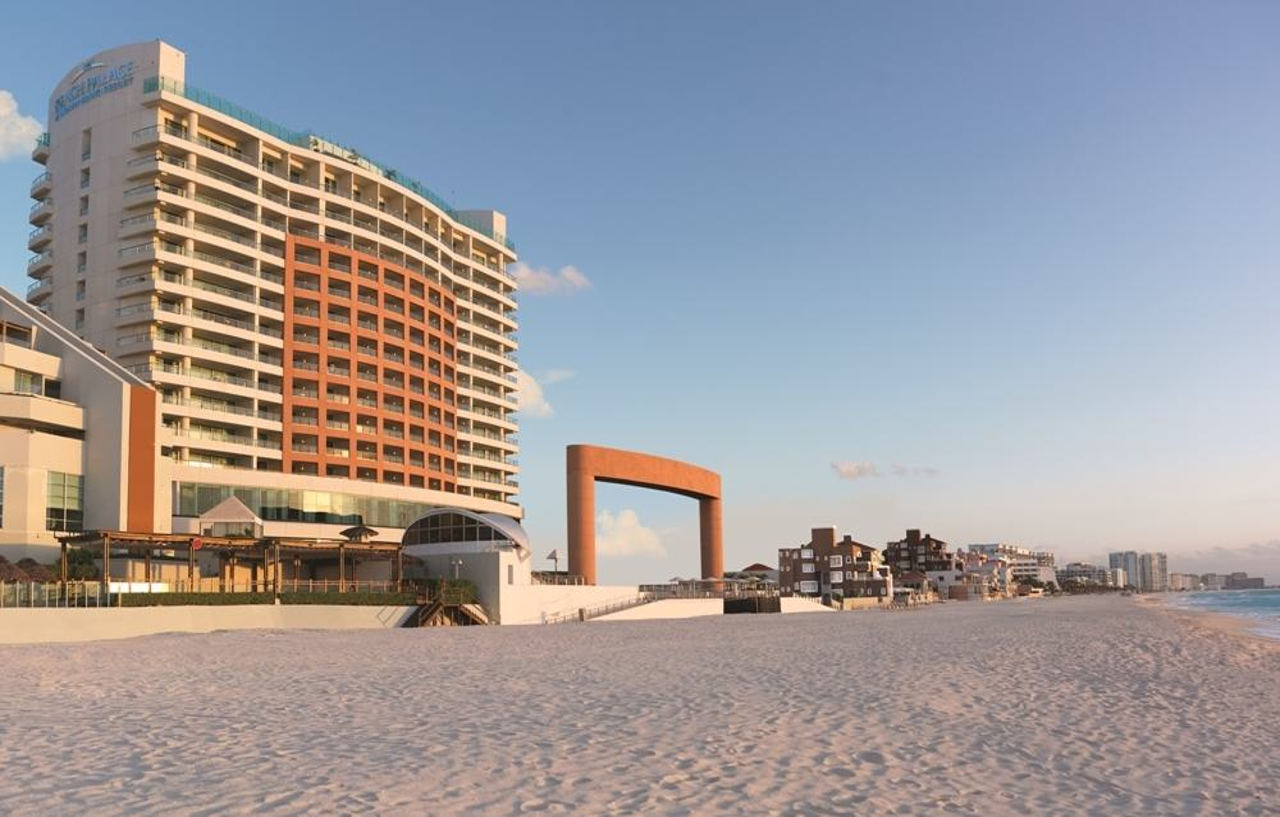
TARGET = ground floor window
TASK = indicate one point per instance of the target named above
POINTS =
(64, 503)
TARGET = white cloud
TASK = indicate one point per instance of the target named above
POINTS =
(18, 132)
(623, 535)
(851, 470)
(543, 281)
(855, 470)
(913, 471)
(531, 399)
(531, 392)
(558, 376)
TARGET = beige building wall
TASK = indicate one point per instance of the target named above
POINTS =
(83, 431)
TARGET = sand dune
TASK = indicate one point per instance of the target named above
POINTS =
(1084, 706)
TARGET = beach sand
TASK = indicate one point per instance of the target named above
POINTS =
(1098, 706)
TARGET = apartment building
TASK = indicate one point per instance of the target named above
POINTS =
(1084, 573)
(1024, 563)
(920, 553)
(851, 573)
(329, 340)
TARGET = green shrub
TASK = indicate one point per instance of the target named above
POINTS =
(223, 599)
(193, 599)
(364, 597)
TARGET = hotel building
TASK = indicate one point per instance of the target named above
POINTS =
(327, 339)
(1040, 565)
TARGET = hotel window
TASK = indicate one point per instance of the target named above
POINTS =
(80, 290)
(27, 382)
(837, 561)
(837, 577)
(64, 503)
(84, 178)
(82, 234)
(84, 205)
(807, 567)
(807, 553)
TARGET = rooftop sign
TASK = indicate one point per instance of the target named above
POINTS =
(90, 88)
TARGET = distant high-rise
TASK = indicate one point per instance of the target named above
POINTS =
(1154, 571)
(1128, 562)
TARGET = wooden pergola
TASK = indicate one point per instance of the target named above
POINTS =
(266, 551)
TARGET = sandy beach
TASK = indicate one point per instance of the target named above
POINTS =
(1094, 706)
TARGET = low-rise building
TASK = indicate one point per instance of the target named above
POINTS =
(1214, 581)
(1243, 581)
(1084, 573)
(1025, 563)
(920, 553)
(850, 573)
(1184, 581)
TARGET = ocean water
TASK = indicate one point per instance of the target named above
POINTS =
(1260, 607)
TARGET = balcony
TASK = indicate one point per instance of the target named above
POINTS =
(41, 186)
(40, 211)
(37, 290)
(40, 153)
(40, 263)
(39, 237)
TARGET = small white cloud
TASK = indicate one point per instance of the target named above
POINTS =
(850, 469)
(530, 398)
(18, 132)
(543, 281)
(855, 470)
(913, 470)
(558, 376)
(623, 535)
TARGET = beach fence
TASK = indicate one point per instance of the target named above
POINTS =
(54, 594)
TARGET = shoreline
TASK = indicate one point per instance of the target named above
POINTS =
(1240, 627)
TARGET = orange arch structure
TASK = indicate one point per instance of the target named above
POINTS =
(588, 464)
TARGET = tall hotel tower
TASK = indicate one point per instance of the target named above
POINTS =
(329, 340)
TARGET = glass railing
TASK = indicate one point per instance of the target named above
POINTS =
(42, 141)
(311, 141)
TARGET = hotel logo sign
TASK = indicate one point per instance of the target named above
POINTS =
(86, 89)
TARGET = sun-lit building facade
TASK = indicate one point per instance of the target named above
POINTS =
(328, 340)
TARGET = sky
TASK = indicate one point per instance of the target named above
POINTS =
(1001, 271)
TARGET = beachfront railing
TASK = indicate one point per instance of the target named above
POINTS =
(550, 577)
(53, 594)
(94, 593)
(710, 589)
(588, 613)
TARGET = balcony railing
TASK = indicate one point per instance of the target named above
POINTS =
(310, 141)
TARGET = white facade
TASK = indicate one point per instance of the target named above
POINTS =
(66, 463)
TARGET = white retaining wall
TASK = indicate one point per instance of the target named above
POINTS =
(37, 625)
